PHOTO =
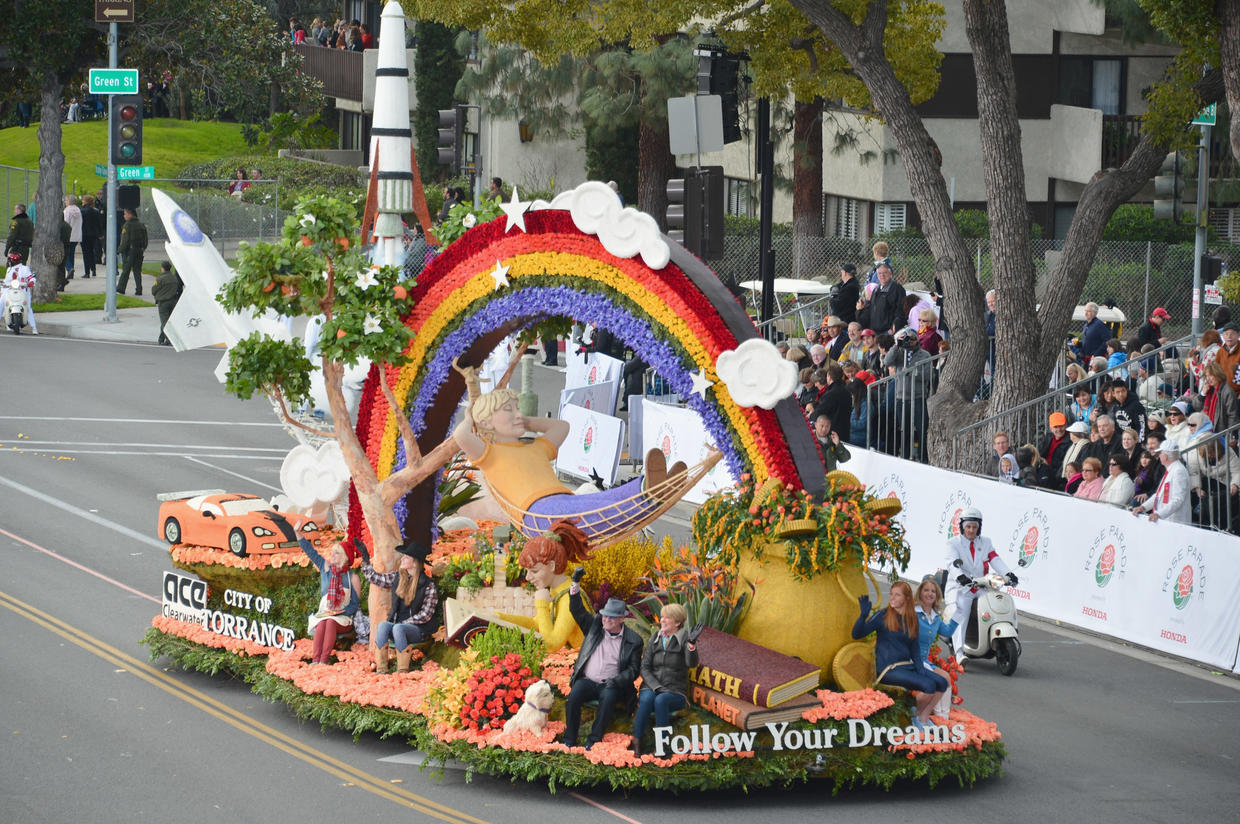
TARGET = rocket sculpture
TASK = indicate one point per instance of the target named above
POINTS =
(395, 184)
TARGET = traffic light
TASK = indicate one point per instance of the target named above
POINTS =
(451, 137)
(719, 73)
(1169, 189)
(695, 211)
(125, 123)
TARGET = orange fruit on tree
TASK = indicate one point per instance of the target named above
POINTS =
(400, 292)
(343, 242)
(340, 333)
(269, 286)
(305, 240)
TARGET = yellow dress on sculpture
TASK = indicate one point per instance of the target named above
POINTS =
(552, 620)
(811, 620)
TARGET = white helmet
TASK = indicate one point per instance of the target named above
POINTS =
(972, 514)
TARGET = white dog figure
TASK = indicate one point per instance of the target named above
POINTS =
(532, 716)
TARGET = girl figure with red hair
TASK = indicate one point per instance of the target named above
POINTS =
(339, 596)
(897, 652)
(545, 558)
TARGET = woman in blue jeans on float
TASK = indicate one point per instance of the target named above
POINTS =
(665, 672)
(897, 652)
(413, 618)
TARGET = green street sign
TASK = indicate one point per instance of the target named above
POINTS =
(1207, 116)
(135, 172)
(101, 170)
(113, 81)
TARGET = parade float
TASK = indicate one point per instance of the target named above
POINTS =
(782, 693)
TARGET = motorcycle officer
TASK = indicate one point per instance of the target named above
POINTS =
(969, 556)
(24, 276)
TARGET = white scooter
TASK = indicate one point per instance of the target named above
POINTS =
(14, 307)
(991, 631)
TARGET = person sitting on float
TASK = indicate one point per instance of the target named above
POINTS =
(897, 652)
(522, 472)
(413, 617)
(931, 626)
(669, 655)
(545, 558)
(339, 596)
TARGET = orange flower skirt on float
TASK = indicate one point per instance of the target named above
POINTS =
(185, 554)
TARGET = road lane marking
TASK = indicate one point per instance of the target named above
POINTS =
(49, 450)
(604, 808)
(234, 474)
(82, 513)
(76, 565)
(136, 420)
(141, 444)
(235, 718)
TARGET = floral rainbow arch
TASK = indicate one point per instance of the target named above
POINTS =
(669, 308)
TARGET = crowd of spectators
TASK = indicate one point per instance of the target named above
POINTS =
(352, 35)
(1122, 435)
(1134, 409)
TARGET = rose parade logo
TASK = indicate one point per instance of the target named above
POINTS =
(592, 375)
(891, 486)
(1185, 577)
(587, 440)
(949, 519)
(1107, 556)
(1031, 537)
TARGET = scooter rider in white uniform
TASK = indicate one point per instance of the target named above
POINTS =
(25, 276)
(969, 556)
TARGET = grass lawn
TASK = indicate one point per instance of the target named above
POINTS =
(168, 145)
(79, 303)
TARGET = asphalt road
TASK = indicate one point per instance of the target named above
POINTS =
(96, 734)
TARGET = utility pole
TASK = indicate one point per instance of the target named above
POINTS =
(766, 250)
(109, 302)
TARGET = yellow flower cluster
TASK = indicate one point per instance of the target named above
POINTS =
(621, 565)
(446, 695)
(582, 265)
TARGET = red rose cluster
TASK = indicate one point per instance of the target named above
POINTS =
(494, 693)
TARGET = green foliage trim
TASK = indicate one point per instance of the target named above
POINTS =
(497, 641)
(843, 768)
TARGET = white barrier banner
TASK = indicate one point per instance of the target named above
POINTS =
(593, 444)
(681, 436)
(1161, 585)
(599, 397)
(587, 369)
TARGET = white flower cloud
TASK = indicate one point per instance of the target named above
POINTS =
(624, 232)
(311, 476)
(756, 374)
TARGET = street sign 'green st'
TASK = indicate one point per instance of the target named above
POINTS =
(113, 81)
(1207, 116)
(127, 172)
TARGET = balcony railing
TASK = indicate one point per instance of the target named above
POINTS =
(339, 70)
(1120, 134)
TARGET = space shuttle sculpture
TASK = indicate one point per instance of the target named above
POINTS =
(395, 183)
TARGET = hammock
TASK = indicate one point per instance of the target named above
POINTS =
(616, 520)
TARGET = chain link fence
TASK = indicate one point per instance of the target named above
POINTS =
(1133, 276)
(227, 220)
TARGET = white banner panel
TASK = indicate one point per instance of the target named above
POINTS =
(681, 436)
(593, 444)
(599, 397)
(496, 364)
(1165, 586)
(587, 372)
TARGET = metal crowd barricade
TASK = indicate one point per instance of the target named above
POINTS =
(1214, 476)
(897, 427)
(768, 328)
(1027, 422)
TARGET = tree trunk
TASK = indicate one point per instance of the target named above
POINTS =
(656, 166)
(807, 230)
(48, 253)
(1229, 46)
(1019, 374)
(952, 405)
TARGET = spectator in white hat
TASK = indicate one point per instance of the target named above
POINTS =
(1170, 501)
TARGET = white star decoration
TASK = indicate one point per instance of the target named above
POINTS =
(701, 383)
(500, 274)
(371, 325)
(515, 210)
